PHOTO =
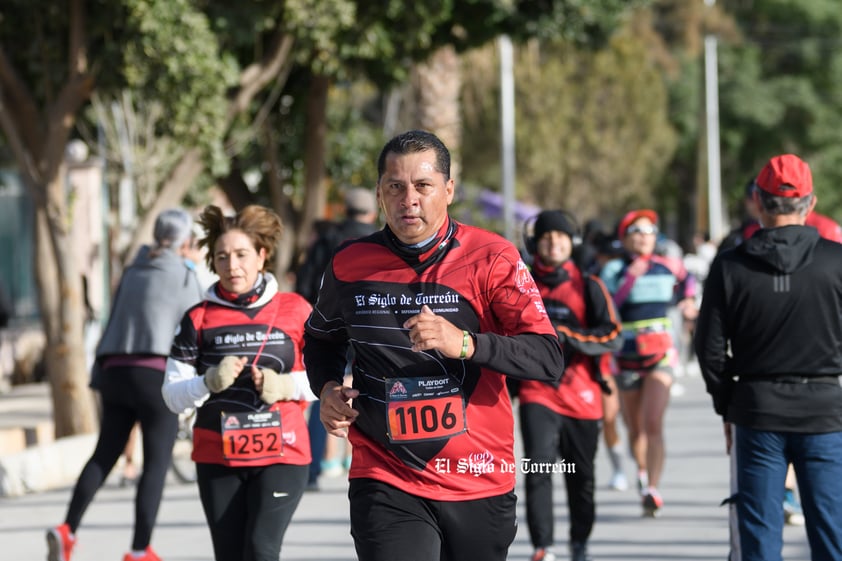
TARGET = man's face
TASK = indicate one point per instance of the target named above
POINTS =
(414, 196)
(554, 248)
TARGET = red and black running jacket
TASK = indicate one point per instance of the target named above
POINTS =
(217, 328)
(475, 279)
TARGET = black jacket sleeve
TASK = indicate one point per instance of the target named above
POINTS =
(710, 341)
(603, 335)
(309, 275)
(528, 356)
(324, 360)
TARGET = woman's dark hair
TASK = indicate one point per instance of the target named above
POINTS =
(262, 226)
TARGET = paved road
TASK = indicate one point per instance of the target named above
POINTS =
(692, 527)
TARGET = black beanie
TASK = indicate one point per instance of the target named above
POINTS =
(554, 221)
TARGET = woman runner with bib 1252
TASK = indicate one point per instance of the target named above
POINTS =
(237, 357)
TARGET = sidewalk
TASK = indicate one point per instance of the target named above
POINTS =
(693, 526)
(26, 418)
(31, 460)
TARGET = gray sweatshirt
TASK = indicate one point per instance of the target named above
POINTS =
(152, 297)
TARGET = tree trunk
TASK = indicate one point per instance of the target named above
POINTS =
(437, 84)
(38, 139)
(286, 250)
(315, 189)
(235, 187)
(63, 317)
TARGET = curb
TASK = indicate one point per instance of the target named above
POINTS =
(17, 439)
(46, 466)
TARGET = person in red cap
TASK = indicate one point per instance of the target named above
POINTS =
(827, 227)
(769, 343)
(644, 286)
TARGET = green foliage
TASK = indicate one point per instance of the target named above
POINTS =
(354, 142)
(353, 138)
(163, 50)
(316, 24)
(177, 62)
(592, 129)
(352, 41)
(686, 98)
(583, 22)
(243, 27)
(387, 36)
(184, 57)
(35, 37)
(781, 91)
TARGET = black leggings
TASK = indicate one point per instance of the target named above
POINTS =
(389, 524)
(567, 445)
(248, 509)
(129, 394)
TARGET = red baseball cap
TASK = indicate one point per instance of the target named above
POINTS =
(633, 215)
(786, 176)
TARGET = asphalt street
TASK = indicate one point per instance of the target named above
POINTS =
(692, 526)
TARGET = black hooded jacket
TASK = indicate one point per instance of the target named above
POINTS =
(769, 332)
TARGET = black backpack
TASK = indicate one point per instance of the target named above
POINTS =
(308, 279)
(309, 275)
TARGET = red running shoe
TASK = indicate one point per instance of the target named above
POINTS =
(148, 555)
(60, 542)
(652, 503)
(542, 554)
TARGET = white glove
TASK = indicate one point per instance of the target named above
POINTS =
(276, 387)
(219, 378)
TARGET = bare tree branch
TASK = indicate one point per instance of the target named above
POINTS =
(20, 104)
(257, 75)
(236, 144)
(252, 79)
(77, 52)
(21, 152)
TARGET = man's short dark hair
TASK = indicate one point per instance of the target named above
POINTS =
(414, 141)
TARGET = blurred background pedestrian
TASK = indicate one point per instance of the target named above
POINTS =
(153, 294)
